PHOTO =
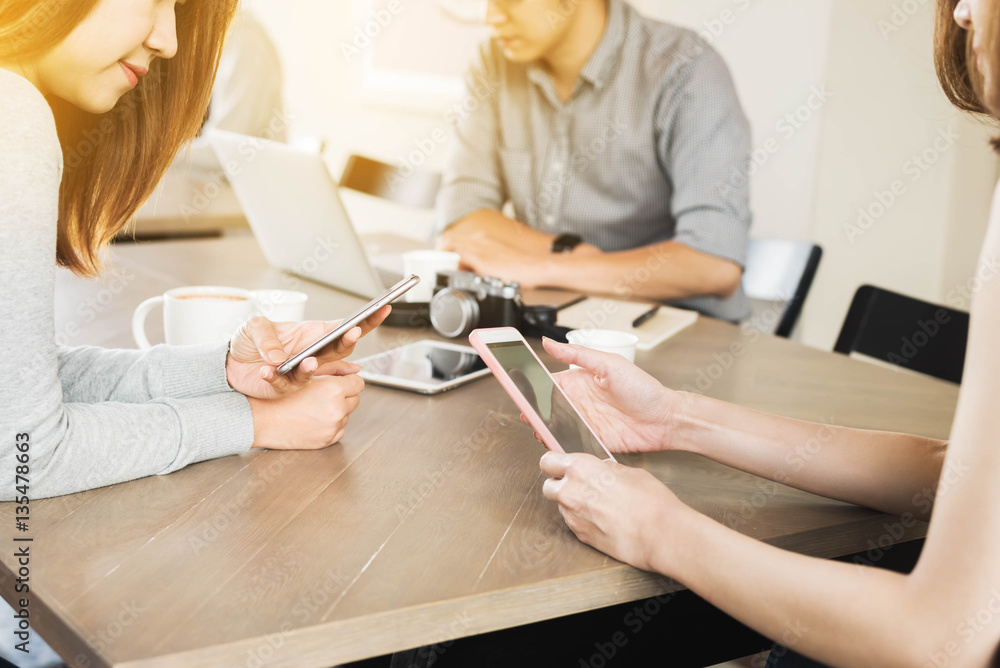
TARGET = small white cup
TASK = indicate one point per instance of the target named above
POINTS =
(281, 305)
(202, 314)
(605, 340)
(426, 264)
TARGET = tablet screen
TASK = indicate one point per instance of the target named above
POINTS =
(425, 363)
(536, 385)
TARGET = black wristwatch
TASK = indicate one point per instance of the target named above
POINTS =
(565, 243)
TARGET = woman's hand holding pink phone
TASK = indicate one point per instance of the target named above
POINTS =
(260, 346)
(557, 422)
(631, 411)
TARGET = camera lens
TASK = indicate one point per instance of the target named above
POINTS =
(454, 313)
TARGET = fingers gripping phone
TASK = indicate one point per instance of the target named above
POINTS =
(523, 376)
(349, 323)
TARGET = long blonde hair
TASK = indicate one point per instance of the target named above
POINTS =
(113, 161)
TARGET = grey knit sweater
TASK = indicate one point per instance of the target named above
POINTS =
(92, 417)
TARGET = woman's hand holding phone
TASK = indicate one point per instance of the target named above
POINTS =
(629, 410)
(624, 512)
(311, 419)
(261, 346)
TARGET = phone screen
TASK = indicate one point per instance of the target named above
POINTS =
(552, 406)
(395, 292)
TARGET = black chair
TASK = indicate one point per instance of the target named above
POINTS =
(779, 273)
(411, 187)
(907, 332)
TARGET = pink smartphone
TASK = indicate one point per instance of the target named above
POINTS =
(523, 376)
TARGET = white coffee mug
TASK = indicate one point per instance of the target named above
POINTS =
(281, 305)
(605, 340)
(426, 264)
(201, 314)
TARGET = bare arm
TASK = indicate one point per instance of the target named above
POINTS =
(947, 612)
(894, 473)
(494, 225)
(664, 271)
(633, 412)
(494, 245)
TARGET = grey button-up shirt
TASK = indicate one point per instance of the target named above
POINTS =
(652, 146)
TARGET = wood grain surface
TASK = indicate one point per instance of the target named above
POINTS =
(425, 524)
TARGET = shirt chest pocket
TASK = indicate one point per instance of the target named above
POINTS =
(517, 166)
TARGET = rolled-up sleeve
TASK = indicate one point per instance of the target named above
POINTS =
(704, 143)
(472, 179)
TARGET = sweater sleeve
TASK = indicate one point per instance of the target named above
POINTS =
(75, 446)
(90, 374)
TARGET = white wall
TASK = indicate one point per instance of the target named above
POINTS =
(885, 106)
(777, 71)
(881, 128)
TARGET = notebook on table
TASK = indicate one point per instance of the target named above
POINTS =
(614, 314)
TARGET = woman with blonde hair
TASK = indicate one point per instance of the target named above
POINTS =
(96, 99)
(947, 611)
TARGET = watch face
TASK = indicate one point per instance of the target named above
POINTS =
(564, 243)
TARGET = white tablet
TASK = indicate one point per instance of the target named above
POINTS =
(427, 367)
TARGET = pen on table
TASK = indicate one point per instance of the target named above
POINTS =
(645, 317)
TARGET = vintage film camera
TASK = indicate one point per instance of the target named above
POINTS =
(464, 301)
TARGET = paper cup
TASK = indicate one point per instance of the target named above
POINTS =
(426, 264)
(606, 340)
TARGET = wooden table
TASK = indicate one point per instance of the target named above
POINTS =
(427, 523)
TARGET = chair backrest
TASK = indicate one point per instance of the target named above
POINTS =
(402, 185)
(907, 332)
(781, 271)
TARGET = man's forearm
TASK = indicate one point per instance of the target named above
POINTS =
(894, 473)
(661, 272)
(495, 225)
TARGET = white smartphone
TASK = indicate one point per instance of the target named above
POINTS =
(349, 323)
(550, 412)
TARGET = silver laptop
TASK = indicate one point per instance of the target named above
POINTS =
(296, 214)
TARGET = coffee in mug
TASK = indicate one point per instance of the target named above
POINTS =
(202, 314)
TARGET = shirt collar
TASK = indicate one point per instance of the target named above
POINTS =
(605, 55)
(609, 48)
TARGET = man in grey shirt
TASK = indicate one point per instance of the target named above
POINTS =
(621, 145)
